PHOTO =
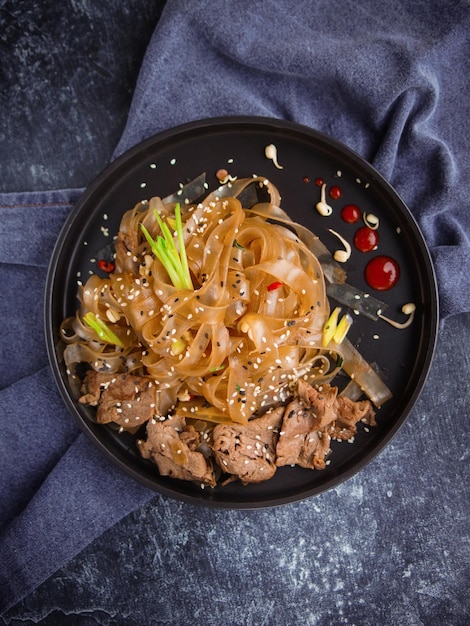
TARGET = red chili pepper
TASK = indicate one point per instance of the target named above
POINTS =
(275, 285)
(106, 266)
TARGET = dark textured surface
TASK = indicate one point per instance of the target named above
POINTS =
(67, 75)
(390, 546)
(387, 547)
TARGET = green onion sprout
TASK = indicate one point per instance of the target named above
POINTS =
(164, 248)
(101, 329)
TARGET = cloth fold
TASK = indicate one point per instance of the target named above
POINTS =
(52, 499)
(388, 88)
(383, 79)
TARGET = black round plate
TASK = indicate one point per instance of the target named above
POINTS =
(158, 166)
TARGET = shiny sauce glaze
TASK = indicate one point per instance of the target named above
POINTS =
(382, 273)
(366, 239)
(350, 213)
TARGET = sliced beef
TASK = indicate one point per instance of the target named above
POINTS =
(126, 247)
(321, 402)
(172, 445)
(248, 452)
(349, 414)
(312, 419)
(300, 440)
(298, 434)
(125, 399)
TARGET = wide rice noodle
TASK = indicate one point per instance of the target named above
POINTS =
(234, 345)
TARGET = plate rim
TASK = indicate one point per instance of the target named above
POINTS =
(268, 124)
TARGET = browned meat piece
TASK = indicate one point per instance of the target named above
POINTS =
(125, 399)
(300, 440)
(349, 414)
(321, 402)
(126, 243)
(172, 445)
(248, 452)
(312, 420)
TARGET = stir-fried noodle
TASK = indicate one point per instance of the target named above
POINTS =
(232, 341)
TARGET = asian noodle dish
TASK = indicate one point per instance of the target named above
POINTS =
(211, 338)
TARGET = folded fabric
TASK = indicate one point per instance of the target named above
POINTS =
(52, 500)
(381, 78)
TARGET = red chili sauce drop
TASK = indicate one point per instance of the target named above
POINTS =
(335, 192)
(106, 266)
(319, 182)
(350, 213)
(366, 239)
(382, 273)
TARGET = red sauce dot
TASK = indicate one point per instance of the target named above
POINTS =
(106, 266)
(335, 192)
(351, 213)
(319, 182)
(306, 179)
(366, 239)
(382, 273)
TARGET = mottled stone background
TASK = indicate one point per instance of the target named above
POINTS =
(388, 547)
(67, 75)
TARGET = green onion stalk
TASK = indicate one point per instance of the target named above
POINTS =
(164, 248)
(102, 329)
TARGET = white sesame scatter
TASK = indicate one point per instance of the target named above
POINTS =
(173, 162)
(375, 336)
(153, 166)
